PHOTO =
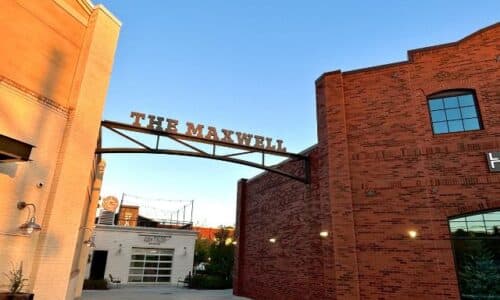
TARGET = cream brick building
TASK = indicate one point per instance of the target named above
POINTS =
(57, 57)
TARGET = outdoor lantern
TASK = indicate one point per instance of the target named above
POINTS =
(412, 234)
(30, 225)
(90, 242)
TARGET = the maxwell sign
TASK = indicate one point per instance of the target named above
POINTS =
(209, 133)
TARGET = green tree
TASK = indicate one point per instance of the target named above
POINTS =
(222, 254)
(201, 251)
(479, 274)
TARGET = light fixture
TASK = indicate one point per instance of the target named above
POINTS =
(412, 234)
(235, 243)
(30, 225)
(272, 240)
(323, 234)
(90, 242)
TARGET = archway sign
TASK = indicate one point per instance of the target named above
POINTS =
(239, 143)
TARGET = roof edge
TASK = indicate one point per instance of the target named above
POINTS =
(410, 54)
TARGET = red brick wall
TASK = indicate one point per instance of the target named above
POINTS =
(378, 171)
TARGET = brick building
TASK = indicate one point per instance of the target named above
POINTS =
(57, 57)
(403, 185)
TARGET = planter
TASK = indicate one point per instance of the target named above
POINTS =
(18, 296)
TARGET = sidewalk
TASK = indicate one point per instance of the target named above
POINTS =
(157, 293)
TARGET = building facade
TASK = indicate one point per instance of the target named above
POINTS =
(57, 57)
(404, 199)
(142, 255)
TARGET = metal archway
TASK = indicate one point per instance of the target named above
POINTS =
(123, 130)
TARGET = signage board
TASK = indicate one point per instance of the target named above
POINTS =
(155, 239)
(493, 159)
(209, 133)
(110, 203)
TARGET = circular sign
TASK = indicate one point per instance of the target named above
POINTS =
(110, 203)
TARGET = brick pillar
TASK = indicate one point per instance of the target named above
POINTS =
(335, 182)
(240, 238)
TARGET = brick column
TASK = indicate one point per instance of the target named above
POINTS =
(335, 182)
(240, 238)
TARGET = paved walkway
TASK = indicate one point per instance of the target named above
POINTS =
(158, 293)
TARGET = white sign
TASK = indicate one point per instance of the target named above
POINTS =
(493, 161)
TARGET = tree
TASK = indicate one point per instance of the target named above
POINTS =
(479, 274)
(201, 251)
(222, 254)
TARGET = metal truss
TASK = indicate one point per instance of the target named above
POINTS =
(122, 129)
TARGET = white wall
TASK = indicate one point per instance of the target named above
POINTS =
(109, 238)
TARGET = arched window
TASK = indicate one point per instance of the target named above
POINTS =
(476, 246)
(454, 111)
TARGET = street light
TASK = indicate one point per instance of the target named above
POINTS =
(30, 225)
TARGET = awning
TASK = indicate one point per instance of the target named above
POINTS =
(12, 150)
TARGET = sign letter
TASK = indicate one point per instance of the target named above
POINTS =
(259, 141)
(212, 134)
(227, 136)
(172, 125)
(137, 116)
(243, 138)
(269, 145)
(152, 122)
(194, 131)
(280, 148)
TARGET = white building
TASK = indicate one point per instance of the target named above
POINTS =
(141, 255)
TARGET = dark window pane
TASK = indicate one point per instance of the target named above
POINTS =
(468, 112)
(471, 124)
(134, 279)
(151, 264)
(137, 264)
(453, 114)
(152, 257)
(137, 257)
(149, 279)
(436, 104)
(450, 102)
(455, 126)
(135, 271)
(440, 127)
(466, 100)
(165, 265)
(165, 258)
(163, 279)
(150, 271)
(164, 272)
(438, 115)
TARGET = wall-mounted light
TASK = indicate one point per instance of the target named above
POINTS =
(30, 225)
(272, 240)
(235, 243)
(412, 234)
(90, 242)
(323, 234)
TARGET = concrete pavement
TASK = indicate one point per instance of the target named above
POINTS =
(158, 293)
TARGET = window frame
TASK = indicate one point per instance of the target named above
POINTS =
(452, 93)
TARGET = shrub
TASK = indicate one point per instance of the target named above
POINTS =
(95, 284)
(210, 282)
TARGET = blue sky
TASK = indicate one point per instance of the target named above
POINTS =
(250, 66)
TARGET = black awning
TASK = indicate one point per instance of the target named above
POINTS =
(13, 150)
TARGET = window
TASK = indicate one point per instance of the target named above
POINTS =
(454, 111)
(150, 265)
(476, 245)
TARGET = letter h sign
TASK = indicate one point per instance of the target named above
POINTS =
(493, 161)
